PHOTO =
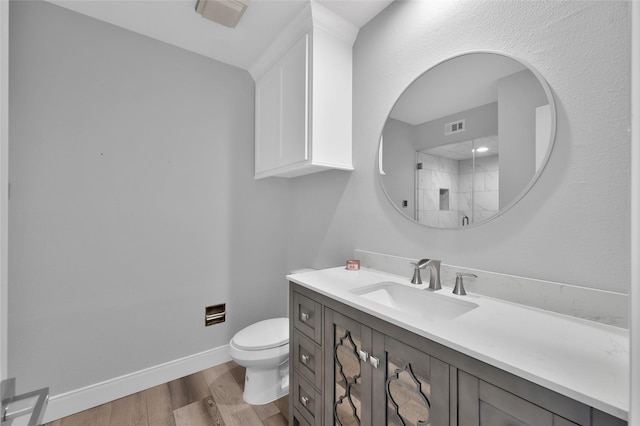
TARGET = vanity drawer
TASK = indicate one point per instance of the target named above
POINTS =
(307, 359)
(298, 420)
(307, 401)
(307, 317)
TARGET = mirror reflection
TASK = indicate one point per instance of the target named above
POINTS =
(466, 140)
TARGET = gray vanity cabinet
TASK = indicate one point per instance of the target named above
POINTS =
(354, 374)
(374, 379)
(352, 368)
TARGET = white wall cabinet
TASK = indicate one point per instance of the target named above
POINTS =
(282, 113)
(303, 97)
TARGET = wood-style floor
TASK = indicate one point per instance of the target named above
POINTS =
(210, 397)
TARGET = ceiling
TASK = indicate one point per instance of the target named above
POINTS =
(466, 150)
(175, 22)
(459, 84)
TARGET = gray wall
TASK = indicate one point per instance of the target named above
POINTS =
(133, 204)
(582, 49)
(480, 122)
(399, 163)
(518, 97)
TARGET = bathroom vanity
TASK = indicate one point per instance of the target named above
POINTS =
(368, 348)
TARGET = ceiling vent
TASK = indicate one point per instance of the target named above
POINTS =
(454, 127)
(225, 12)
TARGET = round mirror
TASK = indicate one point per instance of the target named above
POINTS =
(466, 140)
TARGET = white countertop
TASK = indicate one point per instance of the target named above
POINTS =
(584, 360)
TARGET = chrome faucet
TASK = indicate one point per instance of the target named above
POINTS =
(434, 274)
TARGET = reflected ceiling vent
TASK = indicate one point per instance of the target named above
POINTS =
(225, 12)
(454, 127)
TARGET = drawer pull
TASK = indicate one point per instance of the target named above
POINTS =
(304, 317)
(364, 356)
(304, 358)
(374, 361)
(304, 400)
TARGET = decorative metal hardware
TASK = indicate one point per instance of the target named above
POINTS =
(304, 358)
(374, 361)
(304, 317)
(363, 355)
(304, 400)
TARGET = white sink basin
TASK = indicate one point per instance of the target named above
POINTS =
(417, 302)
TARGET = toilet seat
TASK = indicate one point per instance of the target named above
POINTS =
(270, 333)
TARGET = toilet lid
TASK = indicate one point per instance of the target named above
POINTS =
(263, 335)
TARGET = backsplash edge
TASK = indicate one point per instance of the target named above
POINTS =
(601, 306)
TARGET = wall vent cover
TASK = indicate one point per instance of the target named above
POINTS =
(225, 12)
(455, 127)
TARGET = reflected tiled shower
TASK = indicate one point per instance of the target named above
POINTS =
(455, 192)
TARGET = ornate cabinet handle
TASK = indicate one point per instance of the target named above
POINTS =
(304, 358)
(304, 400)
(364, 356)
(304, 317)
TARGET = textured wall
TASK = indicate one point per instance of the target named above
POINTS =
(573, 226)
(133, 202)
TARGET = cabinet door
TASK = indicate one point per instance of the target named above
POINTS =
(482, 404)
(282, 111)
(268, 120)
(603, 419)
(409, 386)
(294, 143)
(347, 389)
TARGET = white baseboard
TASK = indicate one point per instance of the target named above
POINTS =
(77, 400)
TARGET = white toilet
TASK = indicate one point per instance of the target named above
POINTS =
(263, 348)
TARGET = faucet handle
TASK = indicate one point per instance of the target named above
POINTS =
(459, 288)
(421, 264)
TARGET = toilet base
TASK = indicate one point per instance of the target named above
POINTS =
(262, 386)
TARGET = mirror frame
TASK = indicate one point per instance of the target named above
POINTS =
(534, 179)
